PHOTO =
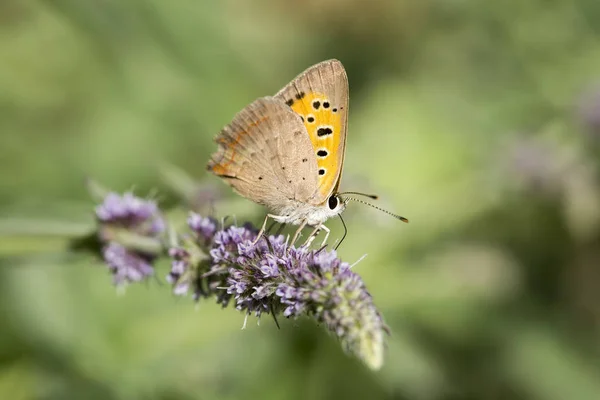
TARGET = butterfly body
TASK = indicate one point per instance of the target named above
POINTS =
(295, 213)
(286, 152)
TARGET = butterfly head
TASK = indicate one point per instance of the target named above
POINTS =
(315, 215)
(336, 204)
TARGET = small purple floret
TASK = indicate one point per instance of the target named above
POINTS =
(125, 265)
(134, 215)
(131, 212)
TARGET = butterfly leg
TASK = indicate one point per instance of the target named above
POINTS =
(262, 229)
(268, 231)
(327, 232)
(297, 234)
(312, 235)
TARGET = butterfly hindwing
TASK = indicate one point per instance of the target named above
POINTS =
(266, 155)
(320, 96)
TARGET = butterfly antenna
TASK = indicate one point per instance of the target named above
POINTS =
(371, 196)
(377, 208)
(345, 232)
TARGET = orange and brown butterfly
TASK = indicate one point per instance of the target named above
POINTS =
(286, 152)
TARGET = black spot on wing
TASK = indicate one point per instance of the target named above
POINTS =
(324, 131)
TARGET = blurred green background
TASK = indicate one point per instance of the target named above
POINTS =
(479, 121)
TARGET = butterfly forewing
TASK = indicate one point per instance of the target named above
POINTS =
(266, 155)
(320, 96)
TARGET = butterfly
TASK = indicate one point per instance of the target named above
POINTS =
(286, 151)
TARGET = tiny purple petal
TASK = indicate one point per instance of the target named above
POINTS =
(178, 267)
(259, 292)
(181, 289)
(247, 248)
(326, 260)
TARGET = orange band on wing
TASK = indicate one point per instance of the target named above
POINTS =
(229, 149)
(323, 122)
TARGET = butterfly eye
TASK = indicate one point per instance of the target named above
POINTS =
(332, 202)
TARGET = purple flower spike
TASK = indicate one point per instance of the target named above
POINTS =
(139, 220)
(181, 275)
(271, 277)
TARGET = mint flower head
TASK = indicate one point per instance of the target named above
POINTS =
(129, 230)
(272, 277)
